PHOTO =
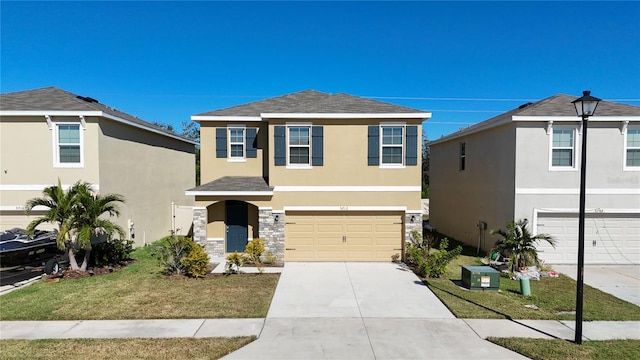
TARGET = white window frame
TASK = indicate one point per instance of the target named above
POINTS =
(57, 144)
(400, 165)
(288, 145)
(626, 147)
(244, 143)
(574, 148)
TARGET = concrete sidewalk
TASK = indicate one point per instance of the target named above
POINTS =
(621, 281)
(198, 328)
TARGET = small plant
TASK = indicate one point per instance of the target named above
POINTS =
(426, 261)
(196, 262)
(253, 250)
(111, 252)
(518, 244)
(235, 262)
(270, 258)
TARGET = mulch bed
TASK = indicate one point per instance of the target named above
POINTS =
(94, 271)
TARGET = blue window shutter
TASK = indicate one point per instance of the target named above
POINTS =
(221, 142)
(317, 145)
(251, 143)
(280, 146)
(411, 146)
(374, 145)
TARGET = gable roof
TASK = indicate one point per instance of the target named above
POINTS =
(312, 102)
(55, 101)
(556, 107)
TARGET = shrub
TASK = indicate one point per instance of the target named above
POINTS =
(196, 262)
(426, 261)
(182, 255)
(270, 258)
(254, 249)
(235, 262)
(112, 251)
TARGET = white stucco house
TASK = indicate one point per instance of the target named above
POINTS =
(525, 163)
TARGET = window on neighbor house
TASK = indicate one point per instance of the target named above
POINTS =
(299, 145)
(562, 148)
(68, 145)
(463, 156)
(392, 145)
(236, 143)
(632, 148)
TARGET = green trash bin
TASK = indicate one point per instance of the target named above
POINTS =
(525, 287)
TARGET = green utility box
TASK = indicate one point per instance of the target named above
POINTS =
(480, 278)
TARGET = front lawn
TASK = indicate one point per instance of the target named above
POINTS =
(542, 349)
(139, 291)
(555, 298)
(177, 348)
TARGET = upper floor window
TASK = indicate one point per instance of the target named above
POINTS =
(236, 143)
(463, 156)
(632, 148)
(68, 145)
(563, 148)
(392, 145)
(299, 145)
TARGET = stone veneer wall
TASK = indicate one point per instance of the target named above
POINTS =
(215, 248)
(409, 226)
(272, 232)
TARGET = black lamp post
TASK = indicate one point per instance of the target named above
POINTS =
(585, 107)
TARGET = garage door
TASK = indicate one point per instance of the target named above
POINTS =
(609, 238)
(342, 236)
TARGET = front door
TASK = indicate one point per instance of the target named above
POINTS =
(236, 219)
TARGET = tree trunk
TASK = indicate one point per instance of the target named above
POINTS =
(85, 262)
(72, 259)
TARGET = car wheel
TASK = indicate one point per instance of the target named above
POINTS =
(52, 267)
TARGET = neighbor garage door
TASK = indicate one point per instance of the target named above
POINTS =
(609, 238)
(343, 236)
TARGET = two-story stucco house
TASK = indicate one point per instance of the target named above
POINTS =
(320, 177)
(49, 133)
(525, 164)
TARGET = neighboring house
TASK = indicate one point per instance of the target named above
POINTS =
(48, 133)
(319, 177)
(525, 163)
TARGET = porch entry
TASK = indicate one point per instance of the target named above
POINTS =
(236, 215)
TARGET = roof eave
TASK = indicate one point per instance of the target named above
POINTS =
(417, 115)
(228, 193)
(199, 118)
(92, 113)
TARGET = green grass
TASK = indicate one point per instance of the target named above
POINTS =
(551, 295)
(542, 349)
(140, 291)
(178, 348)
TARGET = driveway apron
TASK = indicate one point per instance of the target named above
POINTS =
(362, 311)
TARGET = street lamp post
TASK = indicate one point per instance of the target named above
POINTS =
(585, 107)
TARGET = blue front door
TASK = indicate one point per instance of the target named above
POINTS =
(236, 219)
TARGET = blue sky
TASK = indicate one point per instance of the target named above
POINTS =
(165, 61)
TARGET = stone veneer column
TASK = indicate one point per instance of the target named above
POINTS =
(409, 226)
(272, 231)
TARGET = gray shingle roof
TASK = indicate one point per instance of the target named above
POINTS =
(556, 105)
(55, 99)
(235, 183)
(313, 102)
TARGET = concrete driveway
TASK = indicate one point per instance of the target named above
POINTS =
(621, 281)
(362, 311)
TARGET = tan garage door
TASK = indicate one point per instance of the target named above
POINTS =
(342, 236)
(609, 238)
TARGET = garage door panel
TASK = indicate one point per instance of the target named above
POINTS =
(368, 236)
(609, 238)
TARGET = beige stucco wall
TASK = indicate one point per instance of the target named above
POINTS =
(216, 217)
(484, 191)
(27, 162)
(213, 168)
(344, 158)
(151, 171)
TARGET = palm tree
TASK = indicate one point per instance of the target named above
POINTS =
(519, 244)
(88, 221)
(77, 213)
